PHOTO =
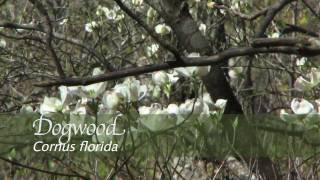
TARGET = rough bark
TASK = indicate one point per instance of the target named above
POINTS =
(176, 14)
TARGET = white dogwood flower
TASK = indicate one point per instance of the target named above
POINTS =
(173, 77)
(221, 103)
(207, 99)
(173, 109)
(301, 84)
(110, 14)
(137, 2)
(301, 106)
(131, 90)
(155, 118)
(185, 72)
(301, 61)
(203, 28)
(196, 107)
(93, 90)
(193, 71)
(66, 94)
(153, 49)
(160, 78)
(89, 27)
(111, 99)
(50, 105)
(162, 29)
(64, 21)
(3, 43)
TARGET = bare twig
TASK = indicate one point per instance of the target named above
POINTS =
(162, 43)
(49, 35)
(311, 9)
(41, 170)
(59, 36)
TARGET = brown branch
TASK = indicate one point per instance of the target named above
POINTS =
(62, 37)
(216, 59)
(293, 28)
(250, 17)
(271, 13)
(162, 43)
(26, 37)
(311, 9)
(49, 35)
(41, 170)
(265, 42)
(19, 26)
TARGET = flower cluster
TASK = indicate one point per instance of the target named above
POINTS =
(158, 118)
(111, 14)
(128, 94)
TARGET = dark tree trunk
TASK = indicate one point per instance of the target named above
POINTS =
(176, 14)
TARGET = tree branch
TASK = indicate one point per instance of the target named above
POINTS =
(311, 9)
(293, 28)
(62, 37)
(265, 42)
(49, 35)
(41, 170)
(150, 31)
(250, 17)
(270, 46)
(271, 13)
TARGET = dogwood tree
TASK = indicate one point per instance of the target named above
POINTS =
(166, 68)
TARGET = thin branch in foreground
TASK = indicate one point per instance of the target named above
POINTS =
(41, 170)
